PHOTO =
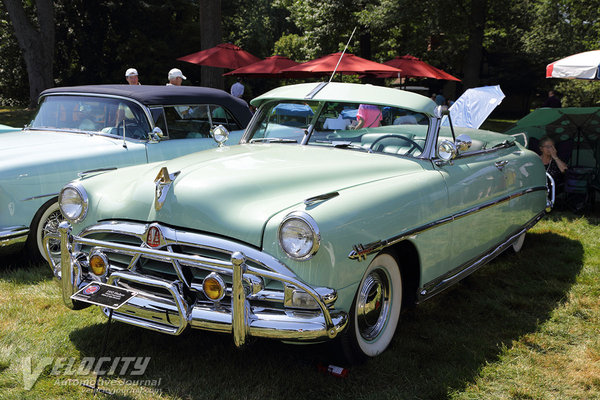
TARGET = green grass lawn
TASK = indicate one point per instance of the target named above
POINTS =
(524, 327)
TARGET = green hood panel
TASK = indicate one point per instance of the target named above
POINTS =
(234, 191)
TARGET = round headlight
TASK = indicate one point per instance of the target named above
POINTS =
(73, 202)
(299, 236)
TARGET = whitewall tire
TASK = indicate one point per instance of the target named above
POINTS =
(46, 221)
(375, 311)
(518, 244)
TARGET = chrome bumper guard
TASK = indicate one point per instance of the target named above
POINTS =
(170, 312)
(551, 192)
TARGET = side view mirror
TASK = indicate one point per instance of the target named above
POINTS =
(220, 134)
(463, 143)
(156, 134)
(446, 150)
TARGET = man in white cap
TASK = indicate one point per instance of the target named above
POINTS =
(175, 77)
(132, 76)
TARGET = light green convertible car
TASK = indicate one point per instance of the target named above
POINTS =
(86, 129)
(343, 204)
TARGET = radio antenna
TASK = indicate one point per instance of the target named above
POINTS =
(342, 56)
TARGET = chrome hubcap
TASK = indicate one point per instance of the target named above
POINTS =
(373, 304)
(51, 227)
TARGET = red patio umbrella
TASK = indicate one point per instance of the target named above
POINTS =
(413, 67)
(270, 67)
(224, 55)
(349, 65)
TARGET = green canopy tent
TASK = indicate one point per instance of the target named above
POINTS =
(576, 134)
(574, 130)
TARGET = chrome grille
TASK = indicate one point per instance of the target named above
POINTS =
(189, 274)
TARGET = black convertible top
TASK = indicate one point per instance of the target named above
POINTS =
(154, 95)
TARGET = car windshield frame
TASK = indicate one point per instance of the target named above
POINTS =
(386, 129)
(113, 116)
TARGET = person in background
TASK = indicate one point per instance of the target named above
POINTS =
(237, 89)
(175, 77)
(368, 116)
(552, 101)
(440, 100)
(554, 165)
(131, 75)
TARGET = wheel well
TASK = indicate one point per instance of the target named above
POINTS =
(408, 259)
(41, 210)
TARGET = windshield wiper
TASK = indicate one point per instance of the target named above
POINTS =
(273, 140)
(344, 145)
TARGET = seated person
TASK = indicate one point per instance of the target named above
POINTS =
(554, 165)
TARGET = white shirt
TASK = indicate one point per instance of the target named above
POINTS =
(237, 89)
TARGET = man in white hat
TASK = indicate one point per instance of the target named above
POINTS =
(175, 77)
(132, 76)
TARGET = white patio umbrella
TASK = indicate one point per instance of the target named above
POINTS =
(578, 66)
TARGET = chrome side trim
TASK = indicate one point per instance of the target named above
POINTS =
(436, 286)
(41, 196)
(322, 197)
(361, 251)
(84, 174)
(13, 235)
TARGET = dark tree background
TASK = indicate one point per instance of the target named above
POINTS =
(484, 42)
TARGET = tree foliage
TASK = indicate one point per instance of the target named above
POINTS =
(484, 42)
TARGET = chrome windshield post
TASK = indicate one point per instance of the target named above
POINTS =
(239, 304)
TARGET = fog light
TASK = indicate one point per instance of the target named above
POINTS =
(98, 263)
(214, 287)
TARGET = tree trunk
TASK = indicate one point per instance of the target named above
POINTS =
(475, 50)
(37, 44)
(210, 36)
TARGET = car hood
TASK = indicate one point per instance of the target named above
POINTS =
(30, 147)
(233, 191)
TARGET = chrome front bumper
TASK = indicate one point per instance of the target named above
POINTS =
(13, 235)
(166, 306)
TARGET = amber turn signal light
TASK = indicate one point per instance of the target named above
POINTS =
(214, 287)
(98, 263)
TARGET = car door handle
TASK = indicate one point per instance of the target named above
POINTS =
(501, 164)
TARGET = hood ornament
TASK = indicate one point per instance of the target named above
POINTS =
(163, 183)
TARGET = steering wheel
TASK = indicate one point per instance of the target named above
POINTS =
(414, 145)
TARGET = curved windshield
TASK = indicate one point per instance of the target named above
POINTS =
(357, 126)
(92, 115)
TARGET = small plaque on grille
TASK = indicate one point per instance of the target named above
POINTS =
(104, 295)
(153, 239)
